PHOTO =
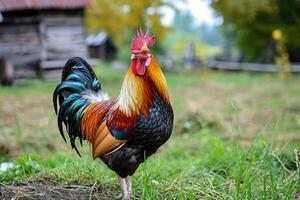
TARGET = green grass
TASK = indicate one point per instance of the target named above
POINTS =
(209, 170)
(236, 136)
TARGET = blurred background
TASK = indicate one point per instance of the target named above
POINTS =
(232, 68)
(38, 36)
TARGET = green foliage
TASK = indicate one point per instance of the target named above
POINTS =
(255, 20)
(121, 18)
(205, 39)
(184, 23)
(282, 60)
(210, 35)
(177, 42)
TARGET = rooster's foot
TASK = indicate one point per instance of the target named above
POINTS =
(124, 197)
(126, 189)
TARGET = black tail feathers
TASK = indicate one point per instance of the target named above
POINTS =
(77, 78)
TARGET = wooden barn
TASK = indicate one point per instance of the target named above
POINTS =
(38, 36)
(101, 46)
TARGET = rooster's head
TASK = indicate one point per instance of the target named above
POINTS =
(140, 53)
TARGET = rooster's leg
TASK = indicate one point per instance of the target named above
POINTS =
(129, 187)
(125, 192)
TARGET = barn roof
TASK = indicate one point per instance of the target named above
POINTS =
(11, 5)
(97, 40)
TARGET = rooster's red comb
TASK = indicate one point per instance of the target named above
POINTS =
(142, 39)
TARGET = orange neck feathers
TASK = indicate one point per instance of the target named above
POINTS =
(158, 79)
(137, 92)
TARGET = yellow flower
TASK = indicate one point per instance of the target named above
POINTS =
(276, 34)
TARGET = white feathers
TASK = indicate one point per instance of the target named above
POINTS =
(127, 99)
(93, 96)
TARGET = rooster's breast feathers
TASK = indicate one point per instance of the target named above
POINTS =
(109, 124)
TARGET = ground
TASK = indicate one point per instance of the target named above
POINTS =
(236, 135)
(42, 190)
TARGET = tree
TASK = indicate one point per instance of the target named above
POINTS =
(119, 18)
(185, 22)
(255, 20)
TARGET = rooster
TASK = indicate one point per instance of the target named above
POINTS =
(122, 131)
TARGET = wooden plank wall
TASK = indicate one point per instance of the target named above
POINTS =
(42, 42)
(63, 37)
(20, 44)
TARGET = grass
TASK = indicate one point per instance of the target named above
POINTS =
(236, 136)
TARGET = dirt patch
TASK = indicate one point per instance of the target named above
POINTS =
(46, 191)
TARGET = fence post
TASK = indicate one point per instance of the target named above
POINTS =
(6, 72)
(189, 56)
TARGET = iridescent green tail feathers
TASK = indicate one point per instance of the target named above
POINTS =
(78, 88)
